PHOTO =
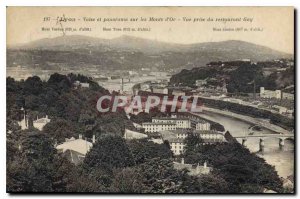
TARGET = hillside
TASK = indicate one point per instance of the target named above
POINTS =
(131, 52)
(238, 76)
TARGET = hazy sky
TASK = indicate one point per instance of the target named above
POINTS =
(24, 24)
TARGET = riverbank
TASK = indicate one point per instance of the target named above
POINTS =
(256, 121)
(283, 160)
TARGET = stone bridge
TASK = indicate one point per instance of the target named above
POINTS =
(262, 137)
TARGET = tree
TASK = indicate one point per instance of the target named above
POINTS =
(59, 129)
(128, 180)
(108, 152)
(208, 183)
(159, 176)
(192, 142)
(32, 169)
(33, 86)
(59, 82)
(143, 150)
(238, 167)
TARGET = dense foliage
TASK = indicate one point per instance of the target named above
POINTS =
(243, 171)
(72, 111)
(143, 149)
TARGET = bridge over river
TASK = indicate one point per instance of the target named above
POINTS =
(262, 137)
(282, 159)
(278, 132)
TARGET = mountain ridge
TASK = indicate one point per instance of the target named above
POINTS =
(126, 42)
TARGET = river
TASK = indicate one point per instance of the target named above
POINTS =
(283, 160)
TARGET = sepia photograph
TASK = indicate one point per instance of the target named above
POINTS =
(150, 100)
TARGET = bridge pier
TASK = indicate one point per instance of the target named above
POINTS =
(261, 144)
(281, 143)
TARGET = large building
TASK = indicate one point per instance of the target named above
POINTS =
(180, 122)
(211, 136)
(165, 124)
(176, 138)
(202, 125)
(277, 94)
(158, 126)
(269, 93)
(177, 145)
(196, 122)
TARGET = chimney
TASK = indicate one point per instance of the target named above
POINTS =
(205, 165)
(26, 123)
(182, 160)
(80, 136)
(94, 139)
(198, 169)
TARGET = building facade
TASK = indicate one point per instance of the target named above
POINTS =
(203, 126)
(180, 122)
(177, 145)
(160, 90)
(211, 136)
(178, 93)
(269, 93)
(166, 124)
(288, 96)
(200, 82)
(157, 127)
(176, 138)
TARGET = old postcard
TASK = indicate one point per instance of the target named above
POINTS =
(140, 100)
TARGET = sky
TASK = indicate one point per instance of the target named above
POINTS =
(268, 26)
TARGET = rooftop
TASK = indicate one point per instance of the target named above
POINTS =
(169, 118)
(180, 131)
(176, 140)
(42, 120)
(158, 123)
(208, 132)
(78, 145)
